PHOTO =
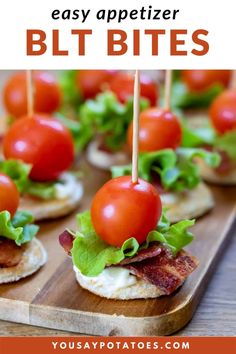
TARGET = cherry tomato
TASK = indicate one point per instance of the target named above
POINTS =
(201, 80)
(47, 94)
(92, 82)
(223, 111)
(41, 141)
(123, 87)
(9, 195)
(158, 129)
(122, 209)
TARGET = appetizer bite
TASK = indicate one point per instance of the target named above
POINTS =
(47, 94)
(196, 89)
(169, 167)
(218, 133)
(106, 119)
(126, 248)
(21, 254)
(38, 152)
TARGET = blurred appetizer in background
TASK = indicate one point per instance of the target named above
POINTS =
(38, 152)
(119, 259)
(196, 89)
(169, 167)
(21, 254)
(47, 94)
(105, 119)
(216, 133)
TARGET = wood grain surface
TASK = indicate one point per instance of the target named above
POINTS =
(52, 297)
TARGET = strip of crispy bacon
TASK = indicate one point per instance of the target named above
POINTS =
(152, 251)
(10, 253)
(165, 271)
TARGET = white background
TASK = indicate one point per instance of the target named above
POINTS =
(218, 17)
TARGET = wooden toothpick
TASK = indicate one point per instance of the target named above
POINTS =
(30, 92)
(135, 127)
(168, 84)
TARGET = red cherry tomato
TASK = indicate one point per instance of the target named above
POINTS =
(122, 209)
(9, 195)
(43, 142)
(123, 87)
(158, 129)
(47, 94)
(92, 82)
(201, 80)
(223, 111)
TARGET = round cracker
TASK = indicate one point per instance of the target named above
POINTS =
(189, 204)
(141, 289)
(55, 208)
(34, 257)
(199, 120)
(210, 175)
(104, 160)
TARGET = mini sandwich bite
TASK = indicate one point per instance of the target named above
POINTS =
(20, 253)
(126, 247)
(196, 89)
(38, 152)
(104, 119)
(217, 134)
(171, 169)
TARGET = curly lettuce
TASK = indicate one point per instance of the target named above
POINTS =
(176, 170)
(182, 98)
(91, 255)
(19, 228)
(71, 95)
(106, 116)
(206, 135)
(19, 172)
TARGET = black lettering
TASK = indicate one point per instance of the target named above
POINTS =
(65, 15)
(55, 13)
(101, 14)
(174, 14)
(133, 14)
(75, 15)
(166, 14)
(85, 15)
(156, 15)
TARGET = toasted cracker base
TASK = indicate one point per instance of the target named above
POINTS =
(209, 175)
(104, 160)
(34, 257)
(140, 290)
(55, 208)
(190, 204)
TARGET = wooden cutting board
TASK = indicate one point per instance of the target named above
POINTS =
(52, 298)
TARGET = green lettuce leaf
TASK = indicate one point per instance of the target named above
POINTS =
(106, 116)
(81, 134)
(91, 255)
(204, 135)
(177, 170)
(19, 172)
(71, 94)
(182, 98)
(227, 143)
(19, 228)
